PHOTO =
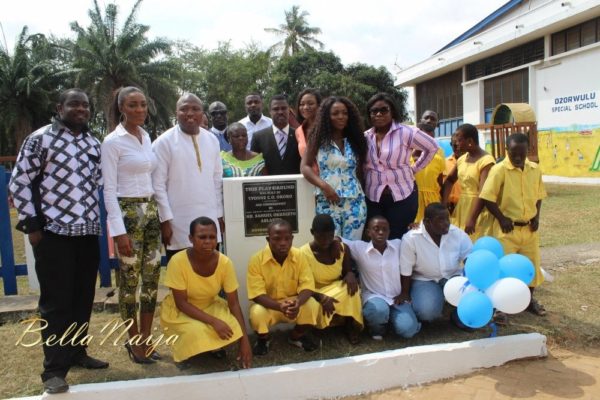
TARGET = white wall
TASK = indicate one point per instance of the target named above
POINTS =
(569, 76)
(325, 379)
(473, 102)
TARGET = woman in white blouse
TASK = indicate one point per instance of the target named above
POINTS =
(127, 164)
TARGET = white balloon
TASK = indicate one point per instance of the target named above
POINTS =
(454, 289)
(509, 295)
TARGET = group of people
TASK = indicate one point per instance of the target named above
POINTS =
(389, 178)
(314, 287)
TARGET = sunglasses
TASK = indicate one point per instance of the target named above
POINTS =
(382, 111)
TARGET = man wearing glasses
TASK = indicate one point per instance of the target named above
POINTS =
(218, 117)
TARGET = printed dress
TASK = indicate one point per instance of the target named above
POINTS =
(203, 292)
(339, 171)
(232, 167)
(468, 178)
(328, 282)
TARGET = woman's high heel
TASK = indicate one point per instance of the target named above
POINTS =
(135, 358)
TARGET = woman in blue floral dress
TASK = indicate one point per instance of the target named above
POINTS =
(339, 148)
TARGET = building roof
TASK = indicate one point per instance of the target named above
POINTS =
(483, 24)
(511, 25)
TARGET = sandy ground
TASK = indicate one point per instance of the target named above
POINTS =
(562, 375)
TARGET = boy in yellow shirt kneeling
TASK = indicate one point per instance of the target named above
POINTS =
(281, 285)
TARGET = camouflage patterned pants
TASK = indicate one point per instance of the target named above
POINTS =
(143, 227)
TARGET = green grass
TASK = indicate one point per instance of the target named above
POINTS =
(573, 321)
(570, 214)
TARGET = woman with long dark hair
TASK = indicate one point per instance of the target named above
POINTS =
(307, 107)
(338, 146)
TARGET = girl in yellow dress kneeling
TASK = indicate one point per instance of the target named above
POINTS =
(336, 285)
(193, 310)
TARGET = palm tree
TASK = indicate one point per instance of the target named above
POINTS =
(297, 35)
(107, 57)
(26, 87)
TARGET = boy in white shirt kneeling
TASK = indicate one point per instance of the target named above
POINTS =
(378, 263)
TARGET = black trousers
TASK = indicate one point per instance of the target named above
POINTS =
(67, 269)
(399, 214)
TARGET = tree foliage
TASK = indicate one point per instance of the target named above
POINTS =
(325, 71)
(28, 81)
(106, 57)
(224, 74)
(298, 36)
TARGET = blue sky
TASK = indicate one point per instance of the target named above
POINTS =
(385, 32)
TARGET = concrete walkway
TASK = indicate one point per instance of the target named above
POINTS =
(562, 375)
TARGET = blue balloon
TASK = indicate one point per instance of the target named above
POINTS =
(482, 269)
(446, 146)
(489, 243)
(517, 266)
(475, 309)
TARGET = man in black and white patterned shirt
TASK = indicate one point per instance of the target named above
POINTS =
(55, 190)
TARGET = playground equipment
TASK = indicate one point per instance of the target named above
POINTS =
(509, 118)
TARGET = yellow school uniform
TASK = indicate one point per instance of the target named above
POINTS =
(279, 282)
(328, 282)
(427, 182)
(516, 192)
(468, 178)
(203, 292)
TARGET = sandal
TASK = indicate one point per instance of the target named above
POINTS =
(536, 308)
(137, 359)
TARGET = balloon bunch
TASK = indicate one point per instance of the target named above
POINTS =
(492, 281)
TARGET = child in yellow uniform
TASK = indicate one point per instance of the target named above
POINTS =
(513, 193)
(429, 182)
(429, 179)
(281, 285)
(471, 171)
(336, 285)
(193, 309)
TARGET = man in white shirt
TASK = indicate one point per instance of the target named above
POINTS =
(378, 264)
(429, 256)
(255, 120)
(218, 116)
(188, 178)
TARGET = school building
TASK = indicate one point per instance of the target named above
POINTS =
(542, 52)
